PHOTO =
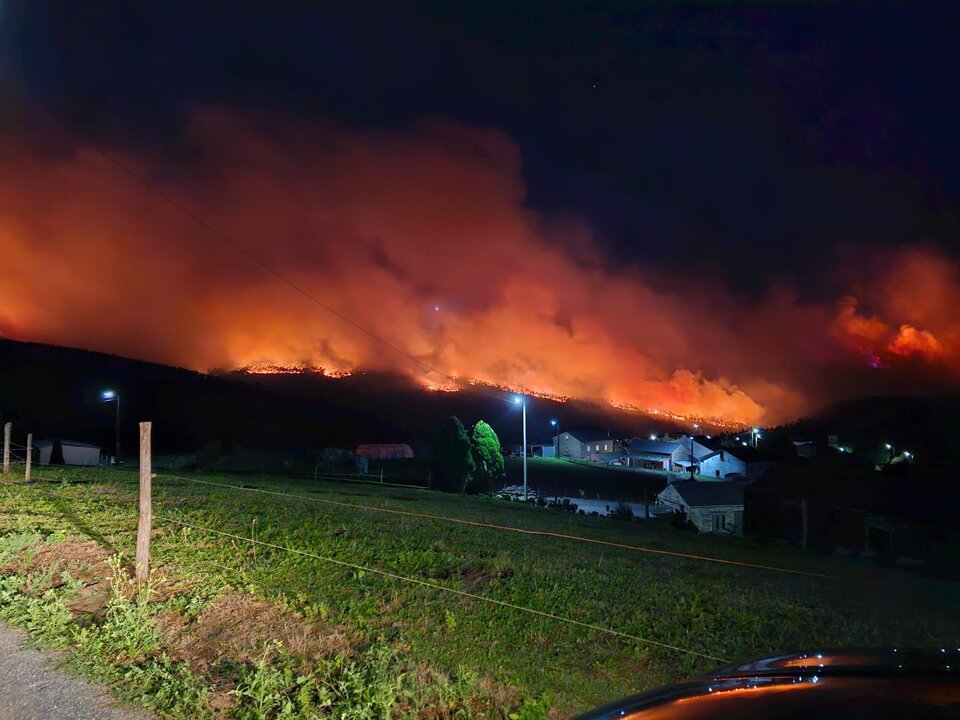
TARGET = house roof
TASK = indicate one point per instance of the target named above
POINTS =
(588, 435)
(699, 494)
(652, 447)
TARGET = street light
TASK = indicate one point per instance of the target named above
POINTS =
(518, 400)
(556, 424)
(110, 396)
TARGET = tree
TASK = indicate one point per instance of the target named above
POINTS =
(453, 463)
(488, 458)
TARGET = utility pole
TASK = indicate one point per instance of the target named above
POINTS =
(116, 431)
(524, 405)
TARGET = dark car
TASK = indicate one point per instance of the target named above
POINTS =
(847, 684)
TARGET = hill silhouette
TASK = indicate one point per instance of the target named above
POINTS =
(55, 392)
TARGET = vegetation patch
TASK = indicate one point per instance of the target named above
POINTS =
(232, 628)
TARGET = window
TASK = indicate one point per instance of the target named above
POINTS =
(719, 522)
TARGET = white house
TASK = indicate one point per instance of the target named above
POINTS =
(721, 464)
(713, 507)
(666, 455)
(74, 452)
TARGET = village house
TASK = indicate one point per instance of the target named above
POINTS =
(66, 452)
(384, 451)
(580, 444)
(680, 455)
(669, 455)
(721, 464)
(712, 507)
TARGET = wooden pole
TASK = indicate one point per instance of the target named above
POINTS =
(7, 428)
(26, 472)
(146, 513)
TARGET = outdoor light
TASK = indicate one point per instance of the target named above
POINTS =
(653, 437)
(553, 422)
(907, 454)
(888, 446)
(111, 396)
(518, 400)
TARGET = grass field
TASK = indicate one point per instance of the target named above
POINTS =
(355, 642)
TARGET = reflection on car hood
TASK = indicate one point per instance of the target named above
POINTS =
(848, 684)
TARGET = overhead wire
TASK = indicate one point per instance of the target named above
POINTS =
(444, 588)
(507, 528)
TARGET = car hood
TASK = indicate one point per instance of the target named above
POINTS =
(826, 683)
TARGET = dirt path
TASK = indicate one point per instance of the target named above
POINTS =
(32, 688)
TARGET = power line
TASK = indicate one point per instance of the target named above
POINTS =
(508, 528)
(463, 593)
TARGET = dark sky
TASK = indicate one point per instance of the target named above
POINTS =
(750, 137)
(726, 208)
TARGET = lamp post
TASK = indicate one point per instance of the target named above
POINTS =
(696, 426)
(110, 396)
(556, 424)
(756, 437)
(523, 405)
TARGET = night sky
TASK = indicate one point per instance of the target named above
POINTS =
(739, 209)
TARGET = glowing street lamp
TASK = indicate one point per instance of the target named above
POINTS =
(518, 400)
(556, 424)
(111, 396)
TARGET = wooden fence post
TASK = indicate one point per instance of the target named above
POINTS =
(29, 458)
(146, 513)
(7, 428)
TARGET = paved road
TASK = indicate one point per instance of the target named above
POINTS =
(31, 688)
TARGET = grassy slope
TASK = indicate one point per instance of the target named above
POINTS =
(726, 611)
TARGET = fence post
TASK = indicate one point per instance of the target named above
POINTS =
(29, 458)
(146, 514)
(7, 428)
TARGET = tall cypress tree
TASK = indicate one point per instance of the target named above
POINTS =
(488, 458)
(453, 463)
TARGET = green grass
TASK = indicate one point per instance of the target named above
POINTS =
(725, 611)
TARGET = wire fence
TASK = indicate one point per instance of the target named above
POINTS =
(131, 472)
(455, 591)
(168, 515)
(505, 528)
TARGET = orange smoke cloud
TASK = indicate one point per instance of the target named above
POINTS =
(423, 238)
